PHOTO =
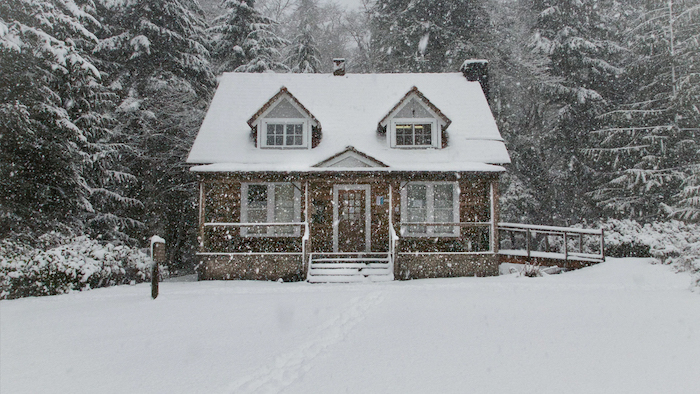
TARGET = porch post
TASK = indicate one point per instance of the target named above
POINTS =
(494, 214)
(306, 238)
(201, 215)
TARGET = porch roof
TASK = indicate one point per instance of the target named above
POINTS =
(350, 108)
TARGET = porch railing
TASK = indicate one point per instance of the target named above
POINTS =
(563, 243)
(393, 240)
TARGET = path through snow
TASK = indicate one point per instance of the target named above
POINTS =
(290, 366)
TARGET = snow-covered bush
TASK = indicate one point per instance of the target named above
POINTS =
(531, 271)
(675, 243)
(80, 264)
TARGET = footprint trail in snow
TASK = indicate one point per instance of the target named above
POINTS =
(289, 367)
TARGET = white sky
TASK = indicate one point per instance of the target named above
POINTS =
(349, 4)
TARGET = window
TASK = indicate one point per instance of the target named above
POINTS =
(430, 202)
(284, 134)
(414, 133)
(270, 203)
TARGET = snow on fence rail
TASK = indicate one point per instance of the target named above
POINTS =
(563, 243)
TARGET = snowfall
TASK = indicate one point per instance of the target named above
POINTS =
(623, 326)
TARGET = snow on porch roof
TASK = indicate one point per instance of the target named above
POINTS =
(349, 108)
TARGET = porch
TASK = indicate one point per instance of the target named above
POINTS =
(368, 227)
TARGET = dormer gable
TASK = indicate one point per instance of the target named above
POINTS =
(350, 158)
(284, 123)
(414, 122)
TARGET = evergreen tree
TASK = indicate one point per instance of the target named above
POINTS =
(56, 166)
(577, 42)
(244, 39)
(650, 145)
(159, 64)
(428, 36)
(303, 54)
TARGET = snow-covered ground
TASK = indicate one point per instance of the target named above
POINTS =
(624, 326)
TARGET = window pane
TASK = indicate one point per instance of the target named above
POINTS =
(284, 207)
(443, 204)
(257, 196)
(404, 134)
(257, 207)
(417, 207)
(443, 196)
(298, 134)
(275, 134)
(423, 134)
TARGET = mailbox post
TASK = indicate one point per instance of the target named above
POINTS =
(158, 257)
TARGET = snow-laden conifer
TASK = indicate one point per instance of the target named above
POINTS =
(57, 164)
(650, 144)
(303, 53)
(428, 36)
(244, 40)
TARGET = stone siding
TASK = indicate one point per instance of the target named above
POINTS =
(254, 267)
(409, 266)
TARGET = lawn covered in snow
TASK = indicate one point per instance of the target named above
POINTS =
(624, 326)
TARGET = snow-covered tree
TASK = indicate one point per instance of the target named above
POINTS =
(244, 40)
(650, 145)
(428, 36)
(575, 48)
(156, 57)
(303, 55)
(56, 165)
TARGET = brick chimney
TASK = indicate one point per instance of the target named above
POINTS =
(339, 66)
(477, 70)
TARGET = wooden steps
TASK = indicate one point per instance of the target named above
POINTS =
(349, 268)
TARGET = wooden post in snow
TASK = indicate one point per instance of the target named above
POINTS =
(158, 257)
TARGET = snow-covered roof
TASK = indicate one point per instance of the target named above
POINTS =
(349, 108)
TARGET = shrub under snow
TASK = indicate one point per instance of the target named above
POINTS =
(675, 243)
(80, 264)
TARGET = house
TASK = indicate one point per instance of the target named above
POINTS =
(344, 177)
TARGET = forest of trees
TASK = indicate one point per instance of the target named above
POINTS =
(100, 100)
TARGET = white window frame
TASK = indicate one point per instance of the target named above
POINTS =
(434, 134)
(262, 132)
(430, 210)
(271, 209)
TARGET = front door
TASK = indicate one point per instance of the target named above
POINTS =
(351, 218)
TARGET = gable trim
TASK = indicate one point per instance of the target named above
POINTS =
(283, 92)
(405, 99)
(350, 152)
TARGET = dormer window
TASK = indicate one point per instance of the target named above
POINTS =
(415, 123)
(409, 133)
(284, 133)
(283, 123)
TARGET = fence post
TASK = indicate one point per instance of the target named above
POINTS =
(602, 244)
(566, 247)
(527, 242)
(158, 257)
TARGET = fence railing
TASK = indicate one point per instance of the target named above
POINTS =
(565, 243)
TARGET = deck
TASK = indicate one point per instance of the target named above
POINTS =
(565, 247)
